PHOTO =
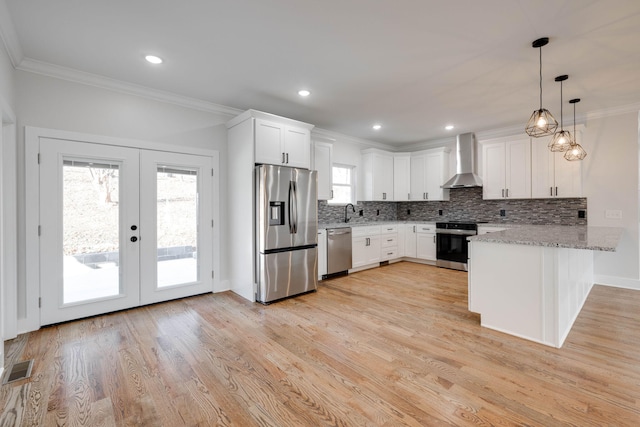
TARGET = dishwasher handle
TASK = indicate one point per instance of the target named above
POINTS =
(338, 231)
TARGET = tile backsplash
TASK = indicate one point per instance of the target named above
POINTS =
(465, 204)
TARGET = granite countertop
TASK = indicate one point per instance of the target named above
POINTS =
(557, 236)
(367, 224)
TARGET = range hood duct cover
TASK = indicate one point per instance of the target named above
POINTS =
(466, 162)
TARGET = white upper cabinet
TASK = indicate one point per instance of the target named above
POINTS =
(506, 168)
(429, 170)
(401, 176)
(553, 176)
(377, 174)
(323, 163)
(277, 140)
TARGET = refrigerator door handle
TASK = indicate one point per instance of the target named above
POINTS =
(293, 208)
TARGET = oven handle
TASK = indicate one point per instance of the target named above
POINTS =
(456, 232)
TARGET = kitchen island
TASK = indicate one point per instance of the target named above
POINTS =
(532, 281)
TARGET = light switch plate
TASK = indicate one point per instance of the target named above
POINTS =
(613, 214)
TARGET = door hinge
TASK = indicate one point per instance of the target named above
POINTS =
(38, 158)
(39, 302)
(39, 230)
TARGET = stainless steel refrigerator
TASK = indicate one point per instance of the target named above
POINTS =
(286, 232)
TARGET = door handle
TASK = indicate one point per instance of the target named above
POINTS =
(427, 196)
(287, 158)
(134, 239)
(134, 227)
(556, 191)
(503, 192)
(551, 191)
(282, 157)
(507, 192)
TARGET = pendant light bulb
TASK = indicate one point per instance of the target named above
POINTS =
(542, 122)
(562, 140)
(575, 151)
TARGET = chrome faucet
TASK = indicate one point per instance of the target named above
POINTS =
(346, 219)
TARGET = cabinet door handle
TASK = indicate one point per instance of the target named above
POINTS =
(414, 228)
(332, 194)
(503, 192)
(408, 196)
(287, 158)
(551, 191)
(424, 195)
(368, 242)
(434, 238)
(507, 192)
(384, 196)
(556, 191)
(282, 157)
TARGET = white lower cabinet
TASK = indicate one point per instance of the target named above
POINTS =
(426, 242)
(410, 236)
(388, 242)
(322, 253)
(365, 246)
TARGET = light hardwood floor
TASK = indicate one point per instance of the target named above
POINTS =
(391, 346)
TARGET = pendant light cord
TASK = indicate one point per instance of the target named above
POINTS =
(540, 48)
(561, 115)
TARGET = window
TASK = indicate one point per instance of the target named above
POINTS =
(343, 184)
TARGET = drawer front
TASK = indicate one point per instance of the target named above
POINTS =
(388, 229)
(388, 241)
(388, 253)
(426, 228)
(365, 231)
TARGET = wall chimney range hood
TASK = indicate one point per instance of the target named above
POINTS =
(466, 162)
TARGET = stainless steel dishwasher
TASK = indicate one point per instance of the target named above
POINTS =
(338, 250)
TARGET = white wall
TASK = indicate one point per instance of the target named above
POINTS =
(8, 259)
(611, 183)
(48, 102)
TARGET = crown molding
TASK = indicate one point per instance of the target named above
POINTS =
(614, 111)
(330, 135)
(56, 71)
(9, 36)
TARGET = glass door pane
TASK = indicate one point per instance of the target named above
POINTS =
(89, 216)
(91, 224)
(177, 225)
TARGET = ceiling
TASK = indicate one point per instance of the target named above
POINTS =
(413, 66)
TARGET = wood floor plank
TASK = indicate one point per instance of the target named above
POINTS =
(392, 346)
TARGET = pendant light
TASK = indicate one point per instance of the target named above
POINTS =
(575, 151)
(562, 140)
(541, 122)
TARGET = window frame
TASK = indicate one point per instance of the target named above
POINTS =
(351, 185)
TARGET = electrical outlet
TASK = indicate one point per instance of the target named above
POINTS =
(440, 212)
(361, 213)
(582, 213)
(503, 212)
(613, 214)
(377, 212)
(408, 211)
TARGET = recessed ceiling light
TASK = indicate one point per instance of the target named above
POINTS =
(153, 59)
(304, 92)
(377, 127)
(448, 127)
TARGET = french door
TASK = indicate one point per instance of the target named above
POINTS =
(121, 227)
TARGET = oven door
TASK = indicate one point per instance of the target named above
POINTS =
(452, 250)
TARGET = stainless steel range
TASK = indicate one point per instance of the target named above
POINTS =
(452, 246)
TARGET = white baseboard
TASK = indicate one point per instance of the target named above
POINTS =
(223, 285)
(618, 282)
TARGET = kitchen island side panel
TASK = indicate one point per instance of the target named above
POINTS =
(532, 292)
